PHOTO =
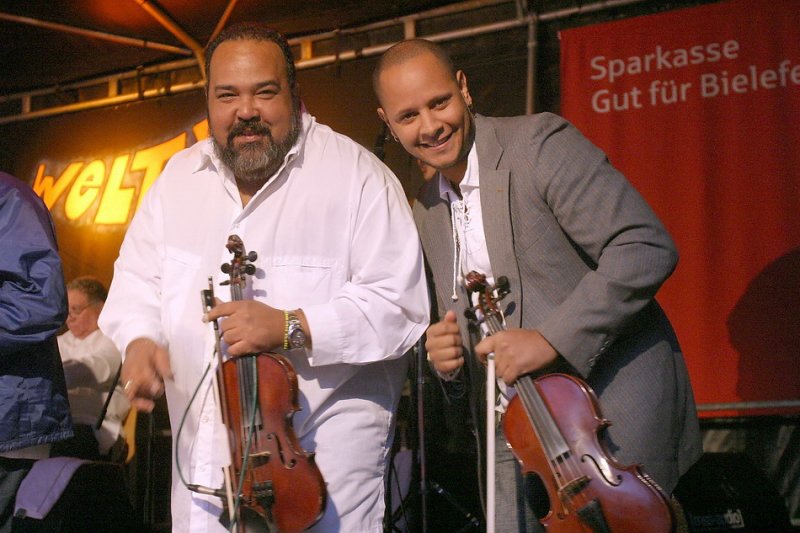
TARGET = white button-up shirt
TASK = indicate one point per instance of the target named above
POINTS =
(335, 237)
(468, 224)
(470, 245)
(90, 365)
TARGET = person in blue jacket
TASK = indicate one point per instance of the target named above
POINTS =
(34, 411)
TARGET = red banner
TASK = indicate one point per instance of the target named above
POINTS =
(700, 109)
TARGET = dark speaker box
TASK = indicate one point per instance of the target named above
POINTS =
(96, 499)
(726, 492)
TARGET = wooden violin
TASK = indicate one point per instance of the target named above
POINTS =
(553, 425)
(277, 485)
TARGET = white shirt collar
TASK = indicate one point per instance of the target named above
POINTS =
(209, 157)
(470, 181)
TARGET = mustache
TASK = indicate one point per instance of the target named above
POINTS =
(250, 127)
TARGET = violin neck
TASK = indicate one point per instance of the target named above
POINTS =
(236, 292)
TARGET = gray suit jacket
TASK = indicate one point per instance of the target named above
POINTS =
(585, 255)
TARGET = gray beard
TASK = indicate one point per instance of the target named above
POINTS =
(254, 163)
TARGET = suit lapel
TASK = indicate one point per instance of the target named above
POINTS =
(494, 187)
(435, 233)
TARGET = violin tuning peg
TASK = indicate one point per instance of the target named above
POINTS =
(252, 255)
(226, 268)
(503, 285)
(250, 269)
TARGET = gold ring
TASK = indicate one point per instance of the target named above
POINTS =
(127, 385)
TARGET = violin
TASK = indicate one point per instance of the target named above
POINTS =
(553, 425)
(276, 484)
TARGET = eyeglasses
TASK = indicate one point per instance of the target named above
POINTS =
(75, 311)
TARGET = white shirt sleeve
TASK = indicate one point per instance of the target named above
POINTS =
(133, 306)
(383, 308)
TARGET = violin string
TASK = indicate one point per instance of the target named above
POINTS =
(549, 436)
(566, 463)
(249, 434)
(535, 410)
(558, 453)
(252, 416)
(247, 368)
(541, 420)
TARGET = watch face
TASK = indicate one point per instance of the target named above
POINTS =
(297, 338)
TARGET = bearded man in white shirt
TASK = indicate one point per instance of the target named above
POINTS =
(339, 263)
(90, 363)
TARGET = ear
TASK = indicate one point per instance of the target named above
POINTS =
(461, 79)
(382, 116)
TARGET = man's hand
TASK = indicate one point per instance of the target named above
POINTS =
(143, 373)
(516, 352)
(444, 346)
(250, 326)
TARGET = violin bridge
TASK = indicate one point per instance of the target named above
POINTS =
(259, 458)
(575, 486)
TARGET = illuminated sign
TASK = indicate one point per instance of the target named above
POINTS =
(86, 183)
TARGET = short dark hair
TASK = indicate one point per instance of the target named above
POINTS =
(405, 50)
(253, 31)
(90, 286)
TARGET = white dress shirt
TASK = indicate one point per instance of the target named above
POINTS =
(468, 225)
(90, 365)
(470, 246)
(335, 237)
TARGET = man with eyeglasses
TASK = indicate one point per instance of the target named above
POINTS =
(90, 362)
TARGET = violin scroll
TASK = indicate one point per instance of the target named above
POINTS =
(241, 265)
(488, 296)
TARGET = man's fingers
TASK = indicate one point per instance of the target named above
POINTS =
(156, 388)
(485, 347)
(442, 341)
(445, 326)
(449, 365)
(129, 387)
(143, 404)
(238, 348)
(220, 309)
(146, 366)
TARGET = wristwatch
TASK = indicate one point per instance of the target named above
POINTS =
(295, 336)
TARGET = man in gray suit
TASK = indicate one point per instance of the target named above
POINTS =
(531, 199)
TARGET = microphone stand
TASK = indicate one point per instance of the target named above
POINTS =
(421, 360)
(426, 485)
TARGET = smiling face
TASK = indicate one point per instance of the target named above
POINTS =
(251, 108)
(427, 108)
